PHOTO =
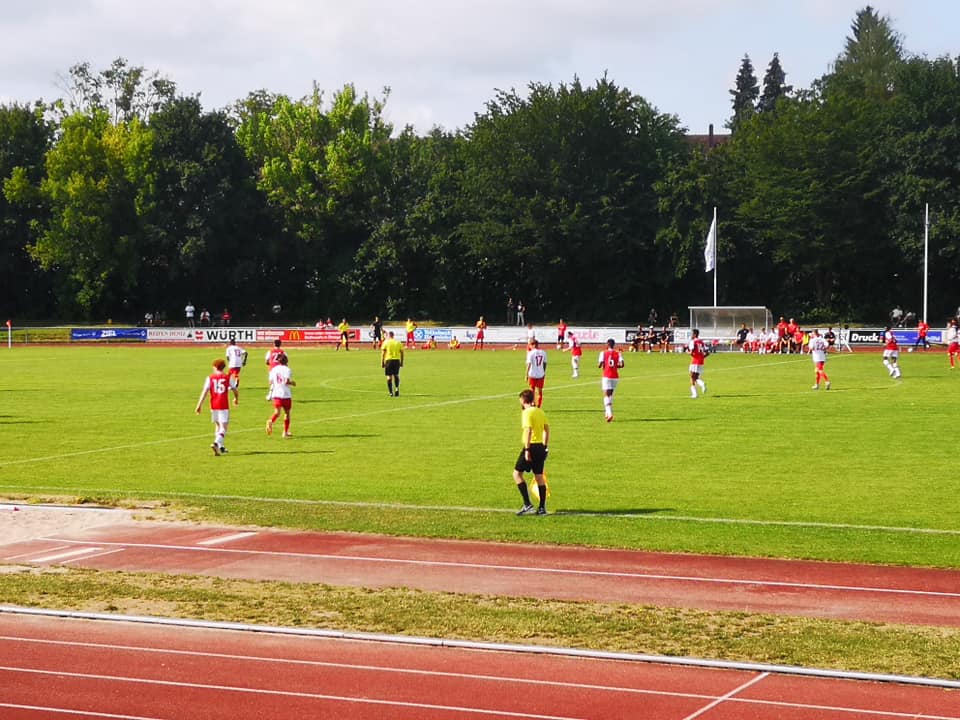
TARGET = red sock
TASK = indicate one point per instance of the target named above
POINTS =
(286, 424)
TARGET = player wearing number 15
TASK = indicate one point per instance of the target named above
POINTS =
(218, 386)
(611, 360)
(536, 369)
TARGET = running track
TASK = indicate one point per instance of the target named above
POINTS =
(73, 668)
(815, 589)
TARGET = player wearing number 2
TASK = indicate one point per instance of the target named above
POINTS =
(218, 386)
(536, 369)
(611, 360)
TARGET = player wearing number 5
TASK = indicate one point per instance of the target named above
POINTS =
(611, 360)
(218, 386)
(536, 369)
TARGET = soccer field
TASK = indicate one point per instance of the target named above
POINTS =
(762, 465)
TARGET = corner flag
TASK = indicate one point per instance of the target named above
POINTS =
(710, 251)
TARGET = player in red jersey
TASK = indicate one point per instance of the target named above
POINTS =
(576, 352)
(561, 334)
(481, 327)
(923, 327)
(610, 361)
(698, 353)
(273, 353)
(218, 386)
(891, 353)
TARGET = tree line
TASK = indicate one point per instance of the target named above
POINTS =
(584, 200)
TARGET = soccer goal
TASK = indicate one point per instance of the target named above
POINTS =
(722, 322)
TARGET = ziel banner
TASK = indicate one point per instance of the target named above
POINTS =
(128, 334)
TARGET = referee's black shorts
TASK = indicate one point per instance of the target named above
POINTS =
(538, 456)
(391, 367)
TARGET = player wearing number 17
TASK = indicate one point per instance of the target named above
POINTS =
(611, 360)
(536, 369)
(218, 386)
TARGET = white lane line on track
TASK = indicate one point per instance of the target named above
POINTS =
(222, 539)
(352, 666)
(80, 713)
(67, 554)
(715, 700)
(728, 696)
(34, 552)
(531, 569)
(287, 693)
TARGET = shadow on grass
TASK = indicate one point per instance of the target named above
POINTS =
(614, 513)
(245, 453)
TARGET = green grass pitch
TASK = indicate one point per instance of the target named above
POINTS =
(762, 465)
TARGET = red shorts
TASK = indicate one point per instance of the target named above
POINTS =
(954, 347)
(535, 383)
(284, 403)
(235, 373)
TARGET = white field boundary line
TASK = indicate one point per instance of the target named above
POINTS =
(479, 677)
(285, 693)
(506, 511)
(500, 647)
(567, 572)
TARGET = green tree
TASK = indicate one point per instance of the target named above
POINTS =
(745, 94)
(559, 187)
(125, 92)
(774, 86)
(25, 138)
(870, 58)
(320, 169)
(99, 188)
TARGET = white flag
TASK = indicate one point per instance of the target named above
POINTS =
(710, 252)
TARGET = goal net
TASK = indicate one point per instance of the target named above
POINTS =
(722, 323)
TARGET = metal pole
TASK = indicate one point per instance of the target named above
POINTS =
(926, 246)
(716, 242)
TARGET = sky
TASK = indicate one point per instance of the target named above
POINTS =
(443, 60)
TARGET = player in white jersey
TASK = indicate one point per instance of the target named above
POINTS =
(281, 380)
(236, 359)
(536, 369)
(818, 353)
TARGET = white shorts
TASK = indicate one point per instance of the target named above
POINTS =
(891, 354)
(609, 383)
(220, 417)
(696, 369)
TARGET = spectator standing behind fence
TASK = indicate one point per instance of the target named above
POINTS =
(511, 308)
(189, 311)
(521, 313)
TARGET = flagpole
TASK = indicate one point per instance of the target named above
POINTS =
(716, 242)
(926, 244)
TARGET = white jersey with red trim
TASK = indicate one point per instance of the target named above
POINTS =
(536, 363)
(280, 376)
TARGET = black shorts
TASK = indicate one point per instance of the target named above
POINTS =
(538, 456)
(391, 367)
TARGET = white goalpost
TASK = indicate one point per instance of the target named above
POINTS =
(722, 322)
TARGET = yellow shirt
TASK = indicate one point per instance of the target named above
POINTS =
(392, 350)
(535, 419)
(411, 326)
(343, 327)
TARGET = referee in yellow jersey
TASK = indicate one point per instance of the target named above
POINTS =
(391, 360)
(535, 432)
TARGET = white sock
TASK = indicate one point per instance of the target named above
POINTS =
(607, 406)
(702, 385)
(693, 391)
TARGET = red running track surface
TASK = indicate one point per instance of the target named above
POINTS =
(815, 589)
(69, 668)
